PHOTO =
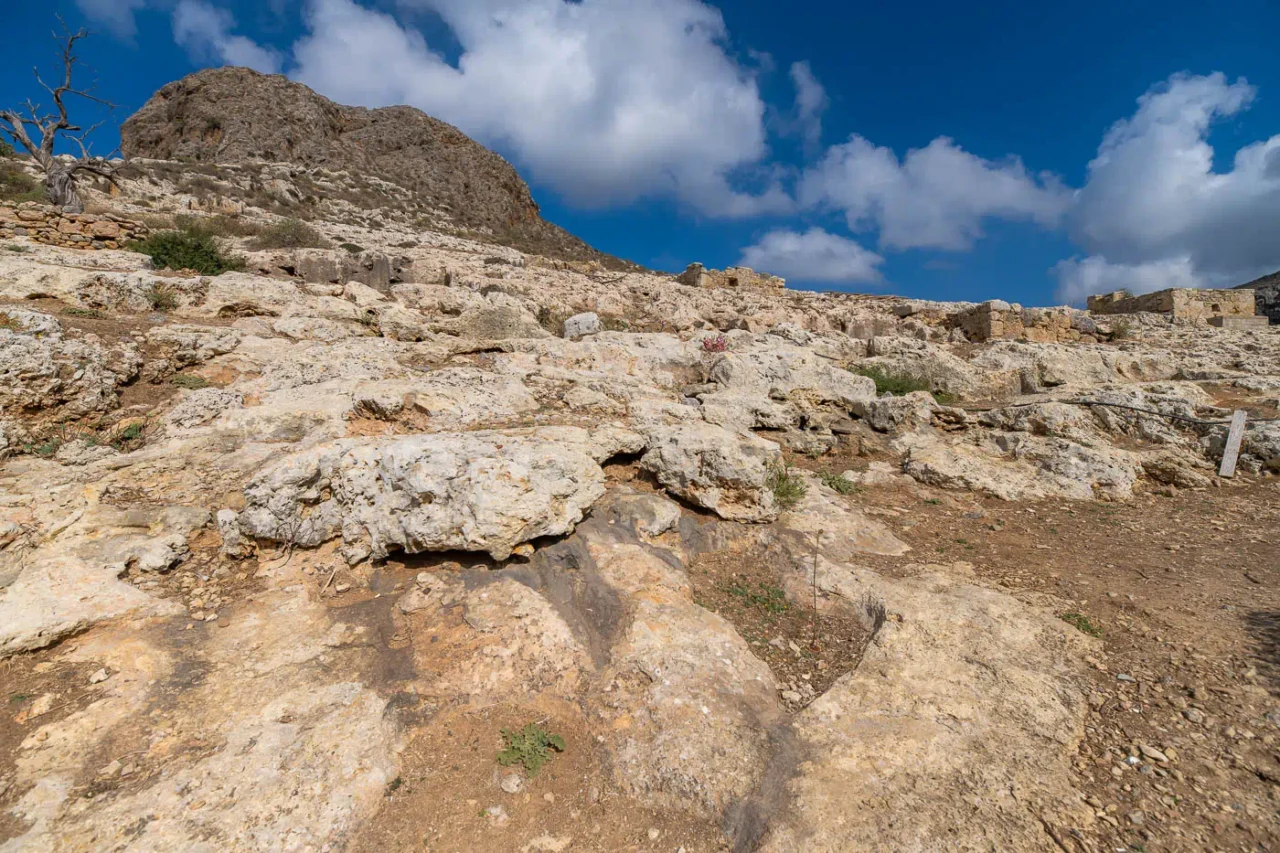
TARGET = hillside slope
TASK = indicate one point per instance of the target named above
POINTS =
(239, 116)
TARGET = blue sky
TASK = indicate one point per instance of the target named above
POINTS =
(931, 149)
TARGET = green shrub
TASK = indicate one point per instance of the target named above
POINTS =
(290, 234)
(787, 488)
(6, 150)
(766, 597)
(187, 250)
(17, 186)
(838, 484)
(899, 384)
(532, 747)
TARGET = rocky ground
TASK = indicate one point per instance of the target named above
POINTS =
(280, 561)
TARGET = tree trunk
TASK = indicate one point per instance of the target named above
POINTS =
(61, 187)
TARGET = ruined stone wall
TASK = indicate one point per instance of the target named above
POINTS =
(998, 320)
(46, 224)
(696, 275)
(1183, 303)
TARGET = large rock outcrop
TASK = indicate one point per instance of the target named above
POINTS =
(237, 116)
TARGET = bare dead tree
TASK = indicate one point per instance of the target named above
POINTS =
(37, 132)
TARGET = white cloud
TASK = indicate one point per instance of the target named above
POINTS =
(1080, 277)
(814, 255)
(205, 32)
(605, 101)
(811, 103)
(1152, 201)
(935, 197)
(116, 15)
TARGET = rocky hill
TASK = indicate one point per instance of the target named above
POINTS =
(237, 116)
(1267, 293)
(376, 537)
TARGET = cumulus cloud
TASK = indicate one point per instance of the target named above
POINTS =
(811, 103)
(606, 102)
(115, 15)
(205, 32)
(1154, 214)
(814, 255)
(935, 197)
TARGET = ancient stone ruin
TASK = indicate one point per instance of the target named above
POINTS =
(1231, 308)
(696, 275)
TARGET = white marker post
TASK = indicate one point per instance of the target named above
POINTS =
(1231, 452)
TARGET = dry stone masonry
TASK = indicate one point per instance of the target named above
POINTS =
(46, 224)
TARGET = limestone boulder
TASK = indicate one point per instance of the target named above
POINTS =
(726, 472)
(481, 491)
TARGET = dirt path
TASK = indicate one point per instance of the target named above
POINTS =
(1181, 741)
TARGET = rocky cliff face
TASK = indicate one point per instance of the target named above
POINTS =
(1267, 292)
(239, 116)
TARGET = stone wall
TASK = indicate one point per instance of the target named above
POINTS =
(1182, 303)
(998, 320)
(696, 275)
(46, 224)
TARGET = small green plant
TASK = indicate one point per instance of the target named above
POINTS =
(19, 697)
(770, 599)
(162, 297)
(86, 313)
(787, 488)
(44, 449)
(189, 381)
(187, 250)
(128, 437)
(290, 234)
(7, 322)
(933, 502)
(351, 248)
(6, 150)
(838, 484)
(532, 747)
(898, 384)
(17, 248)
(1081, 623)
(1121, 330)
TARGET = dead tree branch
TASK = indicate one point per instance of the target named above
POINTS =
(38, 132)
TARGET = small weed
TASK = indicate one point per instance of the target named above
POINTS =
(352, 248)
(128, 437)
(17, 247)
(85, 313)
(933, 502)
(395, 785)
(7, 322)
(787, 488)
(962, 541)
(189, 381)
(770, 599)
(1121, 330)
(838, 484)
(44, 449)
(162, 297)
(1081, 623)
(532, 747)
(19, 697)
